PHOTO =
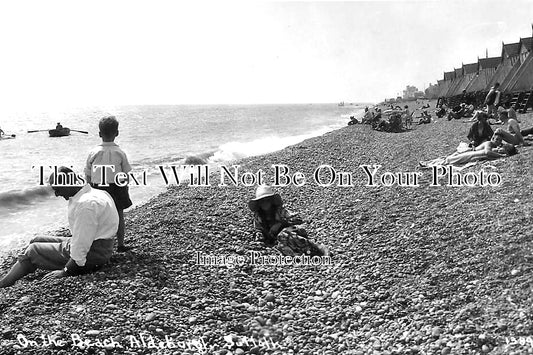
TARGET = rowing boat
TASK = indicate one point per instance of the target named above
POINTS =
(62, 132)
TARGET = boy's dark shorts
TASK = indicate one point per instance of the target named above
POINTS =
(120, 195)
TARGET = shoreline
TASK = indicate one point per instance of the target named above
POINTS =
(14, 239)
(415, 268)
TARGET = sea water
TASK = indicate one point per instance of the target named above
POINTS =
(151, 136)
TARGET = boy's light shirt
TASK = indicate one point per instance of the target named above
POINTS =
(106, 153)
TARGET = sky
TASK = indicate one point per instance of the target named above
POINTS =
(74, 53)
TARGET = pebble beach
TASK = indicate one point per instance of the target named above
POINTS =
(415, 269)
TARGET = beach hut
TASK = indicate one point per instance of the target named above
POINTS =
(487, 68)
(521, 83)
(448, 78)
(455, 82)
(522, 80)
(432, 92)
(508, 65)
(469, 74)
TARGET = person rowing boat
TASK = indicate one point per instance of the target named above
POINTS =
(61, 132)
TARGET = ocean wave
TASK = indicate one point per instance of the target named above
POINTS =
(237, 150)
(24, 197)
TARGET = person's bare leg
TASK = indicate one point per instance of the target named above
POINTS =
(121, 231)
(18, 271)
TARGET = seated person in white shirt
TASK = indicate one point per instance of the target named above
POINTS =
(93, 222)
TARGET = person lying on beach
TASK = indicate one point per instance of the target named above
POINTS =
(278, 226)
(457, 112)
(425, 118)
(93, 222)
(480, 131)
(490, 150)
(483, 154)
(513, 134)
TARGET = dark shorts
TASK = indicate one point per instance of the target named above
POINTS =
(120, 195)
(53, 253)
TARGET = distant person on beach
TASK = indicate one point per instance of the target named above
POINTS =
(469, 110)
(279, 227)
(93, 222)
(502, 114)
(480, 131)
(368, 116)
(492, 99)
(352, 121)
(377, 118)
(511, 111)
(457, 112)
(441, 111)
(507, 110)
(407, 117)
(393, 124)
(406, 111)
(425, 118)
(109, 153)
(59, 126)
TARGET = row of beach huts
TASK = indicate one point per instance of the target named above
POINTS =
(513, 69)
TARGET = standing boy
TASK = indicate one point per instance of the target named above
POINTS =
(492, 99)
(109, 153)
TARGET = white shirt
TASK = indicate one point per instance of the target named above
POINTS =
(107, 153)
(92, 215)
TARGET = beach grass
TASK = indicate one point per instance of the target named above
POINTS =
(416, 269)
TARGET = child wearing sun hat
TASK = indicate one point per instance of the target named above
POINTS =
(278, 226)
(270, 217)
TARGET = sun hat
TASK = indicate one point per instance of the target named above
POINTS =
(264, 192)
